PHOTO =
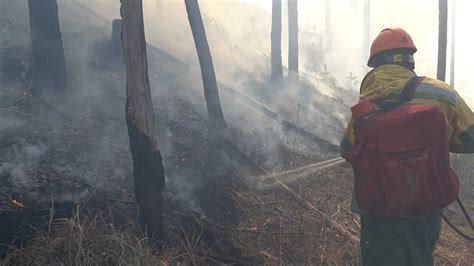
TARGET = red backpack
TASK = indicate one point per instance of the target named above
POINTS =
(401, 157)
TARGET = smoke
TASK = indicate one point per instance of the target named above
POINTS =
(82, 145)
(9, 125)
(239, 37)
(419, 18)
(24, 158)
(94, 107)
(71, 197)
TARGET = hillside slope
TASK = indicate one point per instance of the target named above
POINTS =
(68, 161)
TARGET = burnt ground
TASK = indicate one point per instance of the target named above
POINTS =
(73, 151)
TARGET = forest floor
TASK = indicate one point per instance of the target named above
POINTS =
(67, 162)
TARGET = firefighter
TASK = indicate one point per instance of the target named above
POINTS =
(406, 240)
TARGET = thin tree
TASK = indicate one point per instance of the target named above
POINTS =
(148, 170)
(160, 8)
(116, 37)
(159, 5)
(453, 43)
(276, 64)
(442, 39)
(47, 46)
(211, 92)
(456, 159)
(354, 6)
(293, 68)
(366, 30)
(328, 30)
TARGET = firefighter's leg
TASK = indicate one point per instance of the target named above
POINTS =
(381, 243)
(422, 236)
(399, 241)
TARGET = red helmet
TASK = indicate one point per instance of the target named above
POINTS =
(388, 39)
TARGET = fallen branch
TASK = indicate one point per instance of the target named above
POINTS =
(286, 125)
(247, 230)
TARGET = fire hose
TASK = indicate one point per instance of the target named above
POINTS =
(297, 173)
(456, 229)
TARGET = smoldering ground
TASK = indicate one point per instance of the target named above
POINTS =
(85, 134)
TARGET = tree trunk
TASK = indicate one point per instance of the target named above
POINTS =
(47, 46)
(366, 31)
(293, 68)
(160, 10)
(328, 30)
(211, 93)
(453, 43)
(455, 158)
(354, 7)
(277, 68)
(116, 37)
(147, 162)
(442, 39)
(159, 6)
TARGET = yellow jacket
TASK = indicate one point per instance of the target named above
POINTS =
(387, 82)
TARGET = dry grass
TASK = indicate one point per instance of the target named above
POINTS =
(96, 241)
(453, 250)
(279, 228)
(308, 223)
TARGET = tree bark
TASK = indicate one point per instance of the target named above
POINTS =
(293, 68)
(277, 68)
(442, 39)
(211, 92)
(47, 45)
(148, 170)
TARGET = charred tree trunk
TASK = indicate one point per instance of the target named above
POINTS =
(293, 68)
(147, 162)
(211, 93)
(277, 68)
(442, 39)
(366, 31)
(47, 46)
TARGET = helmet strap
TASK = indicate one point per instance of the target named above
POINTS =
(402, 58)
(394, 57)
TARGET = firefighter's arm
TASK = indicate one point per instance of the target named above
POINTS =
(463, 137)
(348, 139)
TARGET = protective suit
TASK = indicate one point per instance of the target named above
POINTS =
(409, 240)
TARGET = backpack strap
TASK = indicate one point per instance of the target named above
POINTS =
(409, 90)
(407, 94)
